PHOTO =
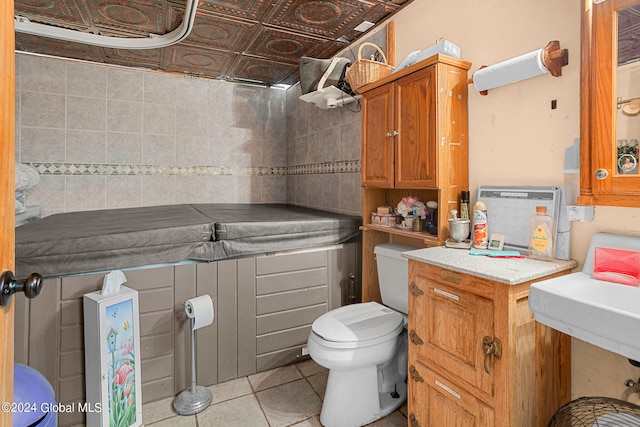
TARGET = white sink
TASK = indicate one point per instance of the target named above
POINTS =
(601, 313)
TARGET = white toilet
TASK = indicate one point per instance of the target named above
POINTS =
(364, 346)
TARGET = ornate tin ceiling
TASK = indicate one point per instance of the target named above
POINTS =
(254, 40)
(629, 35)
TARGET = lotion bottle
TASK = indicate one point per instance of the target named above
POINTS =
(480, 226)
(541, 235)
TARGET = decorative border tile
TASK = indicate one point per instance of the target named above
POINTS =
(113, 169)
(344, 166)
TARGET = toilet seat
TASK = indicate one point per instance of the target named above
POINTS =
(363, 324)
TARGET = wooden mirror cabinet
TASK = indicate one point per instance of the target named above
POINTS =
(609, 166)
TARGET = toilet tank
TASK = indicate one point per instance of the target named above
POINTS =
(393, 275)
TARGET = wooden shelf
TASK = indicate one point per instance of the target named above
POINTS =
(427, 238)
(414, 143)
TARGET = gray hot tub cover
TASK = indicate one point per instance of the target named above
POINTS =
(76, 242)
(251, 229)
(101, 240)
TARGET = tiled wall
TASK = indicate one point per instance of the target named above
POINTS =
(323, 155)
(110, 137)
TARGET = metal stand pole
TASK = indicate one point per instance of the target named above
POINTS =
(196, 398)
(193, 356)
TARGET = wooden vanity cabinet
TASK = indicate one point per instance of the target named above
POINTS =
(414, 143)
(455, 319)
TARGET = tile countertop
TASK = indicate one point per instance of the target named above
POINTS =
(511, 271)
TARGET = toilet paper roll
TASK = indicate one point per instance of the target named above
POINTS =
(200, 309)
(510, 71)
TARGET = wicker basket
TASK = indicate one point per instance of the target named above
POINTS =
(365, 71)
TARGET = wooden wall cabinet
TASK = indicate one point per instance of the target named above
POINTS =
(398, 127)
(603, 180)
(455, 319)
(414, 142)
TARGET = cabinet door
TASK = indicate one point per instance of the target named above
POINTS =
(455, 325)
(435, 401)
(416, 126)
(609, 159)
(377, 138)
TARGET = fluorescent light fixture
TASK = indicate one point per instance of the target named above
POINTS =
(364, 26)
(280, 86)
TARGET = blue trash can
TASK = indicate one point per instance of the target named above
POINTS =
(34, 401)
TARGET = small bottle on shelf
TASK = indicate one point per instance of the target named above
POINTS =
(464, 204)
(464, 207)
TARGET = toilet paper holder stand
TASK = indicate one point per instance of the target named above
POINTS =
(195, 398)
(552, 56)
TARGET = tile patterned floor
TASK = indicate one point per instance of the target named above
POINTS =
(288, 396)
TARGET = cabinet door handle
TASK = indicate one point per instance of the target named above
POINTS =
(391, 134)
(448, 389)
(446, 294)
(491, 347)
(414, 421)
(415, 375)
(415, 290)
(415, 338)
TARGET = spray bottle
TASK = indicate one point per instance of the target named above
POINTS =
(480, 226)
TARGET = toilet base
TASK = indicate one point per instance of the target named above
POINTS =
(352, 398)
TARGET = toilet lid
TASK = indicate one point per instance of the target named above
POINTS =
(357, 322)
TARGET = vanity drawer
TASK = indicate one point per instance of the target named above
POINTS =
(455, 279)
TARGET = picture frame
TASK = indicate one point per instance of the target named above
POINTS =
(112, 358)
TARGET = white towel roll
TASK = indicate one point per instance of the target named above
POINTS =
(510, 71)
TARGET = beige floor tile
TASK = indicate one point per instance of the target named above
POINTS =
(275, 377)
(403, 409)
(177, 421)
(283, 397)
(240, 412)
(289, 403)
(394, 419)
(157, 411)
(311, 422)
(309, 367)
(319, 382)
(230, 390)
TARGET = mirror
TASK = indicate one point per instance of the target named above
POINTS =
(610, 103)
(628, 90)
